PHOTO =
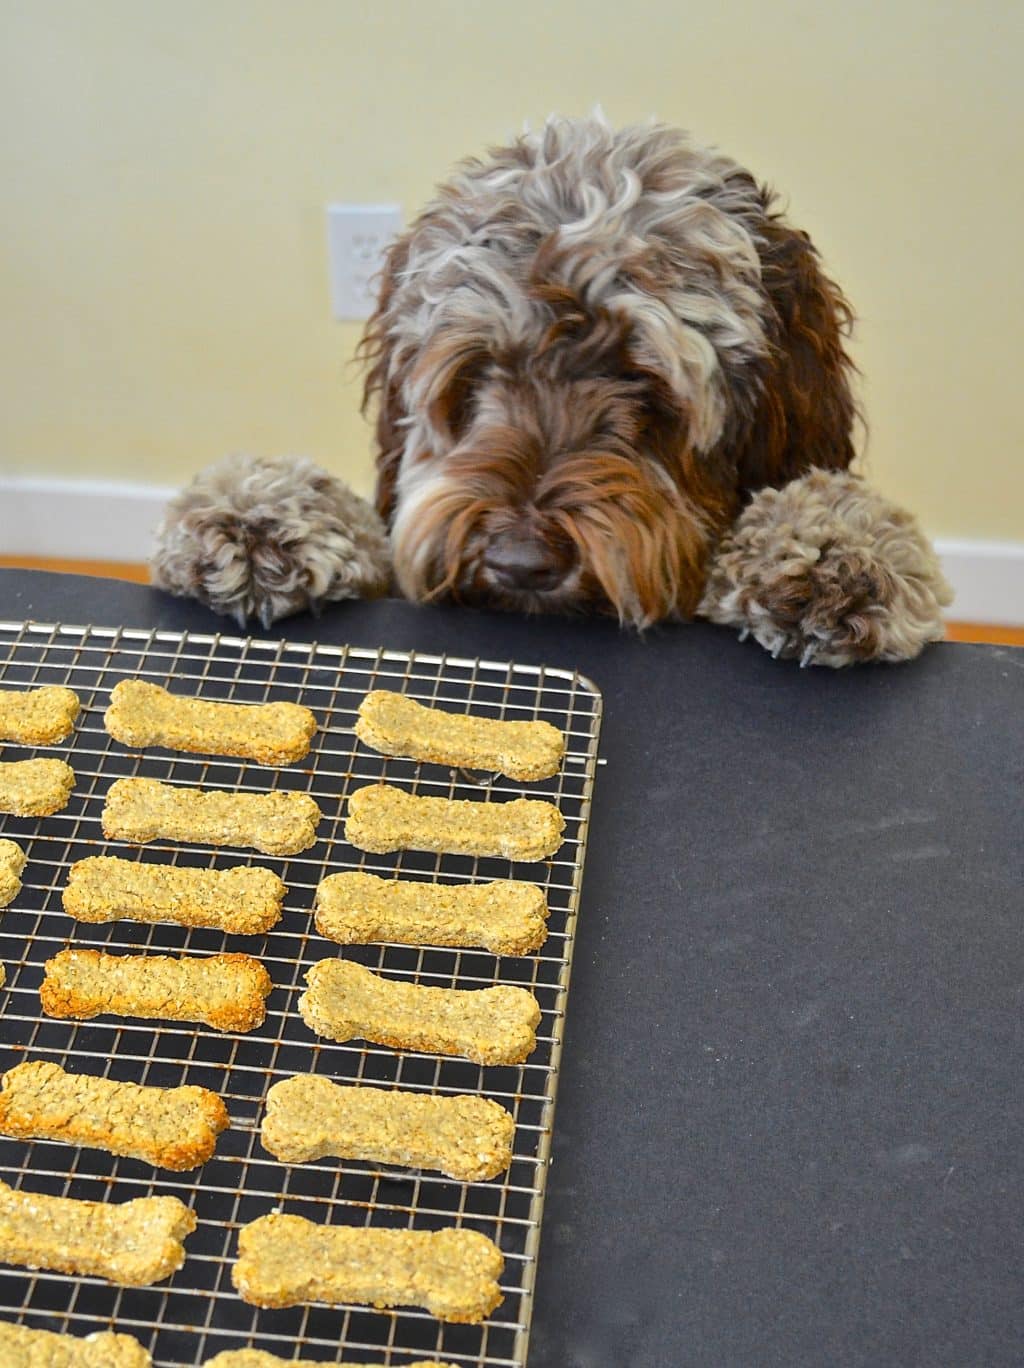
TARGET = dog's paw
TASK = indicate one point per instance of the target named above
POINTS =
(827, 570)
(265, 538)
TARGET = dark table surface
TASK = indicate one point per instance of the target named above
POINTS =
(789, 1127)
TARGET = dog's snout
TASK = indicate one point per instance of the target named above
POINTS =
(528, 561)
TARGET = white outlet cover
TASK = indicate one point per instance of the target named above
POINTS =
(357, 236)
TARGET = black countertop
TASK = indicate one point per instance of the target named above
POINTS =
(789, 1122)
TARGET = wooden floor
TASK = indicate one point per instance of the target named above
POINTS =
(955, 631)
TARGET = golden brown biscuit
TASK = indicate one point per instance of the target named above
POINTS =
(344, 1001)
(243, 901)
(227, 992)
(259, 1358)
(172, 1128)
(275, 823)
(130, 1243)
(286, 1260)
(12, 861)
(37, 717)
(21, 1347)
(468, 1138)
(144, 714)
(382, 819)
(396, 725)
(507, 917)
(35, 788)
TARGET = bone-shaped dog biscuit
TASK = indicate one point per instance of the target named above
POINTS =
(468, 1138)
(35, 788)
(382, 819)
(172, 1128)
(344, 1001)
(278, 823)
(130, 1243)
(12, 861)
(37, 717)
(243, 901)
(507, 917)
(286, 1260)
(227, 992)
(144, 714)
(396, 725)
(21, 1347)
(259, 1358)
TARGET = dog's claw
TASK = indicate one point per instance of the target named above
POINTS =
(744, 633)
(808, 656)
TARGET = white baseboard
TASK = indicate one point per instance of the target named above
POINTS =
(97, 520)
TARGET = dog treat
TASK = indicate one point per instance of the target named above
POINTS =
(487, 1025)
(21, 1347)
(35, 788)
(286, 1260)
(143, 714)
(275, 823)
(243, 901)
(259, 1358)
(12, 861)
(507, 917)
(37, 717)
(227, 992)
(172, 1128)
(382, 819)
(397, 725)
(468, 1138)
(130, 1243)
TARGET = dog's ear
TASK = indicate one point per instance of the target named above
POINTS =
(385, 377)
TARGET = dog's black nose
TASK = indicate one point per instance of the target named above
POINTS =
(520, 560)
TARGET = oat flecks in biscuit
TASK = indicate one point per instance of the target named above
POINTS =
(259, 1358)
(37, 717)
(468, 1138)
(278, 823)
(227, 992)
(172, 1128)
(243, 901)
(382, 819)
(344, 1001)
(131, 1243)
(143, 714)
(507, 917)
(21, 1347)
(396, 725)
(35, 788)
(12, 861)
(286, 1260)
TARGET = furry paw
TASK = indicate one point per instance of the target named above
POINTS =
(264, 538)
(828, 570)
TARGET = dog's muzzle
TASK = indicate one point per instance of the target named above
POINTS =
(519, 559)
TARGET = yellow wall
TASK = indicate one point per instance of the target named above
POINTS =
(165, 166)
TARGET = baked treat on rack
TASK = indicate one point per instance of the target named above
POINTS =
(259, 1358)
(22, 1347)
(396, 725)
(171, 1128)
(131, 1243)
(276, 823)
(35, 788)
(345, 1001)
(287, 1260)
(243, 901)
(507, 917)
(143, 714)
(382, 819)
(37, 717)
(467, 1138)
(12, 861)
(227, 992)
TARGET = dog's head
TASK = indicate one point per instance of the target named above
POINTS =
(555, 353)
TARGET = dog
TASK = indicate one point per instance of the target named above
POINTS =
(610, 377)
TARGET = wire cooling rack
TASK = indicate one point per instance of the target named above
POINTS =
(197, 1313)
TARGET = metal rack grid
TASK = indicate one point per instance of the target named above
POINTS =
(197, 1314)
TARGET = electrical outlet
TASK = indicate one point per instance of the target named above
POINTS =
(357, 236)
